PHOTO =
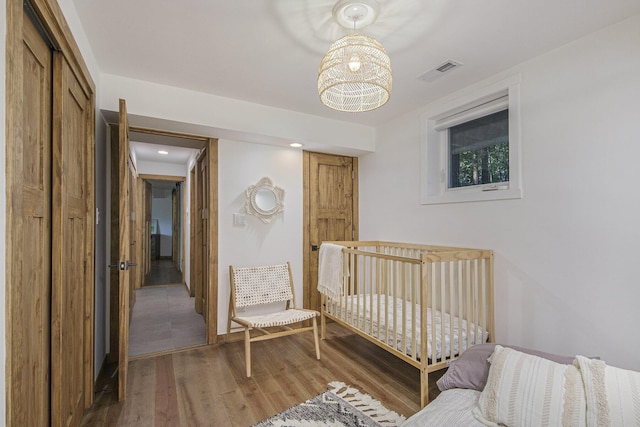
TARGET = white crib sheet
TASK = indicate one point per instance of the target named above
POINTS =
(365, 307)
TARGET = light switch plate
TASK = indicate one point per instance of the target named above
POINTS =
(239, 220)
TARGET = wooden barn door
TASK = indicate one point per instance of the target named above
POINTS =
(330, 211)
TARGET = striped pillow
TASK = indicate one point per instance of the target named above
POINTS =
(526, 390)
(613, 394)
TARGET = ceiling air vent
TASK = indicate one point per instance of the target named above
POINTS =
(440, 70)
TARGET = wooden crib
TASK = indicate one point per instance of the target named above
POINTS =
(437, 300)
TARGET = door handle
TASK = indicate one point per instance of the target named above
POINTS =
(314, 247)
(124, 265)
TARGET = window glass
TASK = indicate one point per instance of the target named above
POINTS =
(479, 151)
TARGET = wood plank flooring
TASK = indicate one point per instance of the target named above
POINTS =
(207, 386)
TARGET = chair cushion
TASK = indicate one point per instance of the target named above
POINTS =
(279, 318)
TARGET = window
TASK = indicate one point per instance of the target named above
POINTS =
(479, 151)
(471, 147)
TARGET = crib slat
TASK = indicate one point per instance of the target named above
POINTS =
(443, 320)
(469, 296)
(374, 291)
(461, 310)
(414, 302)
(452, 312)
(432, 341)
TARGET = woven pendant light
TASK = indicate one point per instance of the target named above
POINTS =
(355, 74)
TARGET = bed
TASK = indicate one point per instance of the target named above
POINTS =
(491, 385)
(411, 300)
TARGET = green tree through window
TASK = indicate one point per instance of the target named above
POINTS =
(479, 151)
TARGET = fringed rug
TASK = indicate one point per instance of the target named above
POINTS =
(339, 406)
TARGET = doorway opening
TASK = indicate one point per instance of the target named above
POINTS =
(163, 316)
(165, 235)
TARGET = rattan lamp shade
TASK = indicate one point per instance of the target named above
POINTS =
(355, 74)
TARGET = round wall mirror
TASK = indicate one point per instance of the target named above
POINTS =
(264, 200)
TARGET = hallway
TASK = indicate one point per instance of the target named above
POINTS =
(163, 317)
(163, 272)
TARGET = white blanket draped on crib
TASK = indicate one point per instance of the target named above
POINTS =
(330, 270)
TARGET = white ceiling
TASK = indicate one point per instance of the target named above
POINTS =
(147, 146)
(150, 152)
(268, 51)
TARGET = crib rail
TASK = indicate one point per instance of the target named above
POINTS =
(425, 304)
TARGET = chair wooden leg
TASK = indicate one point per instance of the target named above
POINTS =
(323, 326)
(315, 336)
(247, 350)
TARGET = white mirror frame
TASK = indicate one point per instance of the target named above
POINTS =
(252, 204)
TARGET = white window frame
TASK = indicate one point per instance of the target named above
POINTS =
(434, 145)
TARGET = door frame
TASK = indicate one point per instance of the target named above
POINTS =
(212, 286)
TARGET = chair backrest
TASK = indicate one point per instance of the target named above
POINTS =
(261, 285)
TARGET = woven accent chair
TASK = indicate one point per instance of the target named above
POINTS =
(253, 286)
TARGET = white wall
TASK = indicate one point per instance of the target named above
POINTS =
(159, 168)
(197, 113)
(241, 165)
(566, 254)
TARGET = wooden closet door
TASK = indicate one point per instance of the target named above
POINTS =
(71, 274)
(29, 239)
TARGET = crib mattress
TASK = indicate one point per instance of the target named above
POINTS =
(362, 312)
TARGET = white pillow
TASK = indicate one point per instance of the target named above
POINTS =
(613, 394)
(526, 390)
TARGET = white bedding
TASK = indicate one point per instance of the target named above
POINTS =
(451, 408)
(368, 309)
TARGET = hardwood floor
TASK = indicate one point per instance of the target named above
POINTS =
(207, 386)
